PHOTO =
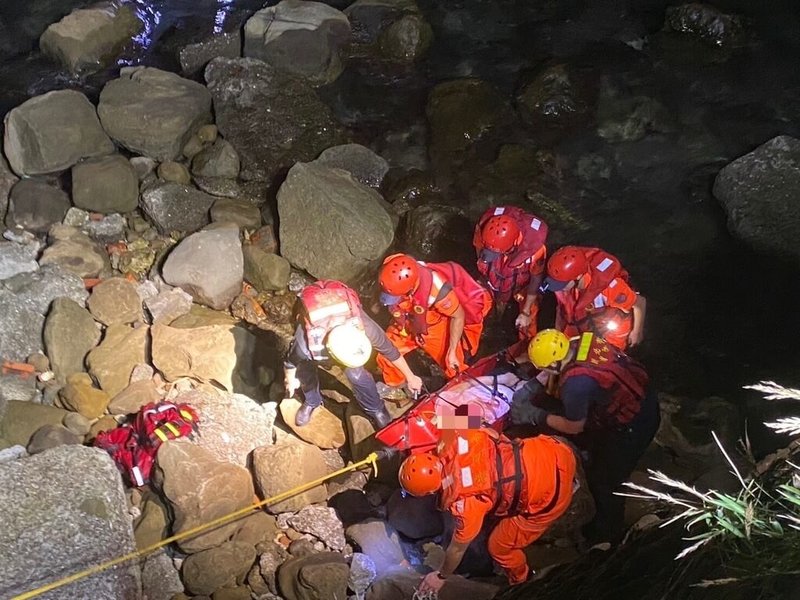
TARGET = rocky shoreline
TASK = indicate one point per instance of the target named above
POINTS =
(154, 243)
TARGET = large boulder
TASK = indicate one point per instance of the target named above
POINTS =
(434, 231)
(362, 163)
(231, 210)
(222, 413)
(52, 132)
(407, 39)
(272, 119)
(7, 181)
(82, 397)
(553, 98)
(105, 185)
(75, 252)
(199, 489)
(35, 205)
(265, 271)
(224, 355)
(20, 420)
(176, 207)
(303, 38)
(324, 429)
(759, 193)
(70, 333)
(74, 521)
(369, 17)
(115, 301)
(321, 522)
(195, 57)
(209, 265)
(399, 586)
(284, 466)
(209, 570)
(331, 225)
(89, 39)
(380, 542)
(113, 361)
(153, 112)
(705, 23)
(217, 160)
(314, 577)
(18, 258)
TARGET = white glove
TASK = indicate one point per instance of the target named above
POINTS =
(290, 382)
(523, 321)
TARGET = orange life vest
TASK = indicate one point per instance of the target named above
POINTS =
(436, 280)
(507, 275)
(624, 378)
(578, 305)
(327, 304)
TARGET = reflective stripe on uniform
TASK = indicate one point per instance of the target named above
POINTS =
(583, 349)
(175, 431)
(160, 435)
(137, 476)
(463, 446)
(323, 312)
(604, 264)
(187, 415)
(466, 476)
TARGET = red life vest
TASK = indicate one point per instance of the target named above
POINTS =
(327, 304)
(482, 462)
(507, 275)
(624, 378)
(604, 268)
(436, 280)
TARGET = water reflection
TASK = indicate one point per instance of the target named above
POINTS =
(222, 13)
(150, 17)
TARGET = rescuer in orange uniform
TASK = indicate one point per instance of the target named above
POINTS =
(526, 483)
(437, 307)
(593, 294)
(510, 245)
(608, 405)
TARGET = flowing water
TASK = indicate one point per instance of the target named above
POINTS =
(719, 315)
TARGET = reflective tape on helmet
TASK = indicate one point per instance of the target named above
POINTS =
(604, 264)
(499, 210)
(535, 224)
(323, 312)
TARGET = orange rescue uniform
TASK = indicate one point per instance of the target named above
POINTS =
(533, 490)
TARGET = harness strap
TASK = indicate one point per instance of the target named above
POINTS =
(552, 504)
(516, 477)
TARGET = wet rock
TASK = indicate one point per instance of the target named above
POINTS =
(407, 39)
(174, 172)
(108, 229)
(302, 38)
(89, 39)
(324, 430)
(176, 207)
(17, 258)
(380, 542)
(273, 556)
(173, 108)
(756, 191)
(264, 271)
(314, 577)
(362, 574)
(369, 17)
(115, 301)
(232, 425)
(153, 523)
(7, 181)
(142, 166)
(70, 333)
(553, 98)
(52, 132)
(209, 570)
(460, 113)
(399, 586)
(35, 205)
(223, 188)
(133, 397)
(194, 57)
(202, 316)
(331, 225)
(207, 134)
(160, 579)
(218, 160)
(245, 214)
(80, 396)
(39, 495)
(257, 530)
(415, 518)
(265, 240)
(321, 522)
(363, 164)
(77, 424)
(168, 306)
(113, 361)
(627, 118)
(232, 593)
(208, 265)
(704, 22)
(20, 420)
(272, 119)
(51, 436)
(284, 466)
(201, 488)
(432, 231)
(74, 252)
(222, 354)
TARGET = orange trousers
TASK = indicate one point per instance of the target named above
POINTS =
(435, 344)
(513, 534)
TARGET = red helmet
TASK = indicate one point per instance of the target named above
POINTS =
(500, 233)
(567, 264)
(399, 275)
(421, 474)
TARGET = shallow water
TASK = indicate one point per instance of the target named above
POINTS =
(719, 316)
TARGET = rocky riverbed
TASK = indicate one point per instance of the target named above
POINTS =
(158, 222)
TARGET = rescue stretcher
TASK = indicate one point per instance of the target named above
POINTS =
(485, 388)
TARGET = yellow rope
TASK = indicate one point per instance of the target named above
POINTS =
(372, 460)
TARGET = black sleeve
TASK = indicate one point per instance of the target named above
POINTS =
(579, 394)
(298, 350)
(377, 337)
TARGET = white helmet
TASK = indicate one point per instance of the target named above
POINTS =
(349, 345)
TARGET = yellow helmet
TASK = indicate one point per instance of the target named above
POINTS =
(349, 345)
(547, 347)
